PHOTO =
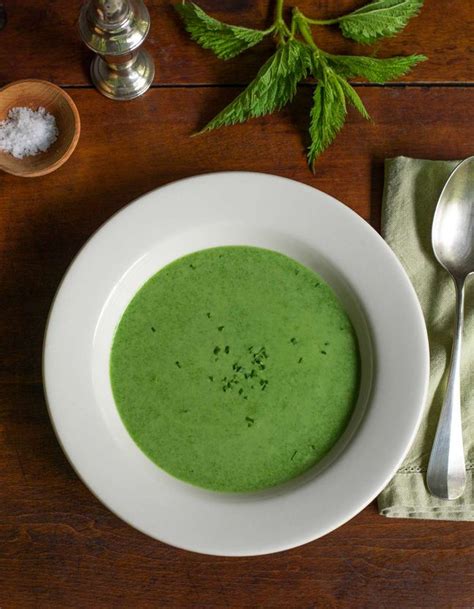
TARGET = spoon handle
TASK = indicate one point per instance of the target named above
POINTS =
(446, 477)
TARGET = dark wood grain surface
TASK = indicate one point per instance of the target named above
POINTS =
(41, 41)
(59, 547)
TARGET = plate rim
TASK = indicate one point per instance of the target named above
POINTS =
(234, 174)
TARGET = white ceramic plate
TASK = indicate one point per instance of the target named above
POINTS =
(231, 209)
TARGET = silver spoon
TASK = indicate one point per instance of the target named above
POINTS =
(453, 245)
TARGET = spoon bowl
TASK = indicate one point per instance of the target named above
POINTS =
(31, 93)
(453, 223)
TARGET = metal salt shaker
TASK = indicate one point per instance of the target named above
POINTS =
(115, 29)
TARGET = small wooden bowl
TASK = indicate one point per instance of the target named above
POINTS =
(32, 93)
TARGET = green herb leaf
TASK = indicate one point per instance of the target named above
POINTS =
(225, 40)
(329, 110)
(353, 97)
(328, 114)
(276, 82)
(374, 70)
(273, 87)
(378, 19)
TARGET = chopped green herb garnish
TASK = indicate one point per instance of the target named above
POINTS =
(211, 378)
(226, 349)
(293, 341)
(324, 352)
(216, 350)
(220, 328)
(153, 329)
(178, 364)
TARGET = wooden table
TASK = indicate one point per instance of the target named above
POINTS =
(59, 547)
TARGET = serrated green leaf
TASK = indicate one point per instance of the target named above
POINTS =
(328, 115)
(378, 19)
(353, 97)
(224, 40)
(372, 69)
(273, 87)
(329, 110)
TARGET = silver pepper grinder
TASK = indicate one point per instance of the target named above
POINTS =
(115, 29)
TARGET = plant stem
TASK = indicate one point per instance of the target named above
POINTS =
(279, 24)
(301, 22)
(322, 21)
(269, 30)
(293, 27)
(279, 11)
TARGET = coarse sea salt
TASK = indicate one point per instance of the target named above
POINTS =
(26, 132)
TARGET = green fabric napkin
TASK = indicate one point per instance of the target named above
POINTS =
(412, 188)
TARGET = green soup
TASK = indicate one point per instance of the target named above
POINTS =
(235, 368)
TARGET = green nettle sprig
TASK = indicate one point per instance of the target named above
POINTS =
(297, 57)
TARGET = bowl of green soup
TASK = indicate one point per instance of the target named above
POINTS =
(226, 369)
